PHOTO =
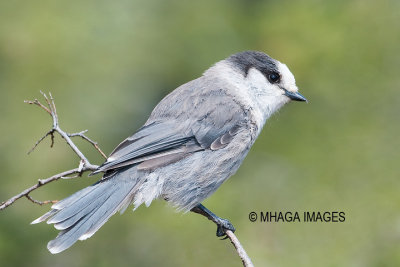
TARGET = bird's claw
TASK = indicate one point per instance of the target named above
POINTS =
(223, 226)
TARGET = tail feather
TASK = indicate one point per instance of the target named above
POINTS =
(73, 198)
(80, 212)
(44, 216)
(103, 214)
(80, 215)
(85, 202)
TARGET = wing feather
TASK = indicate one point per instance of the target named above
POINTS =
(210, 120)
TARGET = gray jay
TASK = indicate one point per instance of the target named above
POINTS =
(193, 141)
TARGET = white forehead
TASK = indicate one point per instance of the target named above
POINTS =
(288, 82)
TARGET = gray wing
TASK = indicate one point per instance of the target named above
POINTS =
(184, 122)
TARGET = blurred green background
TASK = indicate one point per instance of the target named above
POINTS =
(108, 63)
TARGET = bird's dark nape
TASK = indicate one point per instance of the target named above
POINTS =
(254, 59)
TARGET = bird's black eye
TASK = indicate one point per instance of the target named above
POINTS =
(274, 77)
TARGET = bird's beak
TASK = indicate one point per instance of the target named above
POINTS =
(296, 96)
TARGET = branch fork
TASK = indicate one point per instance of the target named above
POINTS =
(84, 163)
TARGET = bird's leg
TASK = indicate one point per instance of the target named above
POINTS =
(222, 224)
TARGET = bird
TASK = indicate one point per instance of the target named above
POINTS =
(193, 141)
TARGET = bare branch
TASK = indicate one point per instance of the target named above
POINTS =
(84, 164)
(239, 249)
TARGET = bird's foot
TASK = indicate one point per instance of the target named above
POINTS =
(222, 226)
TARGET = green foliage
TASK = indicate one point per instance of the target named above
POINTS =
(109, 62)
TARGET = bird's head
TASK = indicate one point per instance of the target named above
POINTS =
(265, 75)
(261, 81)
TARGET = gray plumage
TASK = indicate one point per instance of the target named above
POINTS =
(194, 139)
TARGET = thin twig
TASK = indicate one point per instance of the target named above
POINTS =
(52, 139)
(36, 102)
(83, 136)
(40, 202)
(41, 139)
(240, 250)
